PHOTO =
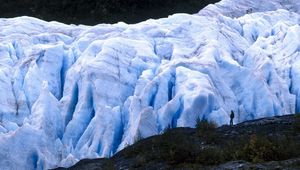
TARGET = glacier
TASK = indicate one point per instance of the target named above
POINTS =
(70, 92)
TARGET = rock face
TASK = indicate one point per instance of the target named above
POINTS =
(291, 164)
(104, 87)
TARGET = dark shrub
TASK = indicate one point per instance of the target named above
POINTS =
(297, 123)
(205, 125)
(207, 131)
(261, 149)
(210, 156)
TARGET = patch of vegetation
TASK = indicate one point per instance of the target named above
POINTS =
(208, 147)
(204, 126)
(259, 149)
(262, 149)
(210, 156)
(297, 123)
(178, 148)
(99, 11)
(140, 161)
(206, 130)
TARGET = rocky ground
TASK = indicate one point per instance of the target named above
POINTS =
(268, 143)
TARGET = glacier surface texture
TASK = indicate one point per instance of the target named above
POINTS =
(72, 92)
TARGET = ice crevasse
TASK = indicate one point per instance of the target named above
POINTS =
(72, 92)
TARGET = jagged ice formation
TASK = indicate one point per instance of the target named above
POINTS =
(72, 92)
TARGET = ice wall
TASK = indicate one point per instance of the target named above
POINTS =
(72, 92)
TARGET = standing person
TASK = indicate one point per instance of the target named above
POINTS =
(231, 118)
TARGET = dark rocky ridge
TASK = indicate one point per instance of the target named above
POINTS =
(91, 12)
(268, 143)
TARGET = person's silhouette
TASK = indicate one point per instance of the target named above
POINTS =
(231, 118)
